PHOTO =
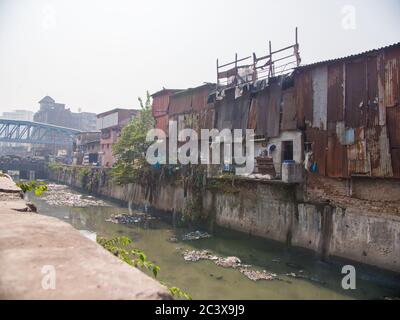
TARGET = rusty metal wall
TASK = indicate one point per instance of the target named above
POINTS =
(289, 120)
(358, 162)
(224, 110)
(241, 108)
(378, 150)
(372, 100)
(336, 163)
(355, 105)
(392, 77)
(252, 117)
(320, 96)
(303, 98)
(206, 119)
(393, 123)
(180, 103)
(319, 142)
(200, 96)
(162, 123)
(159, 105)
(335, 92)
(396, 162)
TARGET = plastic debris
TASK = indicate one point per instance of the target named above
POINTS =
(62, 196)
(127, 218)
(255, 275)
(196, 235)
(228, 262)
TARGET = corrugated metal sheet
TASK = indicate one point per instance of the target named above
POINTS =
(200, 96)
(392, 77)
(393, 124)
(162, 123)
(160, 101)
(381, 89)
(303, 98)
(289, 120)
(241, 108)
(273, 110)
(203, 119)
(378, 151)
(336, 164)
(180, 103)
(355, 106)
(159, 106)
(393, 46)
(261, 102)
(358, 162)
(372, 92)
(396, 162)
(320, 97)
(224, 110)
(268, 110)
(252, 121)
(319, 142)
(335, 92)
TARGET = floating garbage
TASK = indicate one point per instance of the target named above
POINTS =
(128, 218)
(255, 275)
(228, 262)
(61, 195)
(194, 255)
(195, 235)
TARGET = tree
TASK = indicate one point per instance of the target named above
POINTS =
(130, 150)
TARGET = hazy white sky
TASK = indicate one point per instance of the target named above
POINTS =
(101, 54)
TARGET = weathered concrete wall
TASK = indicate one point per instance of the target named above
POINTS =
(330, 217)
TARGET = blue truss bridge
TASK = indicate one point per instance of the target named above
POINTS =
(20, 131)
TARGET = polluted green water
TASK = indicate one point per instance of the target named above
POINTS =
(204, 279)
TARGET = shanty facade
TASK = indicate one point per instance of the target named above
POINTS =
(337, 118)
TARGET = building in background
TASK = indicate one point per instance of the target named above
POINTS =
(110, 124)
(86, 149)
(18, 114)
(56, 113)
(20, 149)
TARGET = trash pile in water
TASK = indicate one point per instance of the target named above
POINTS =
(194, 255)
(196, 235)
(228, 262)
(129, 218)
(255, 275)
(61, 195)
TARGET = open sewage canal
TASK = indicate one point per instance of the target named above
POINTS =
(224, 265)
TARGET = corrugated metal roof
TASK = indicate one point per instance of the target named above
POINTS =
(394, 45)
(164, 91)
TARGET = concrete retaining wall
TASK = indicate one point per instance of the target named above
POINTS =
(358, 230)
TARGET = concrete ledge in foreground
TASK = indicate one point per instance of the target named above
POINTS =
(83, 269)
